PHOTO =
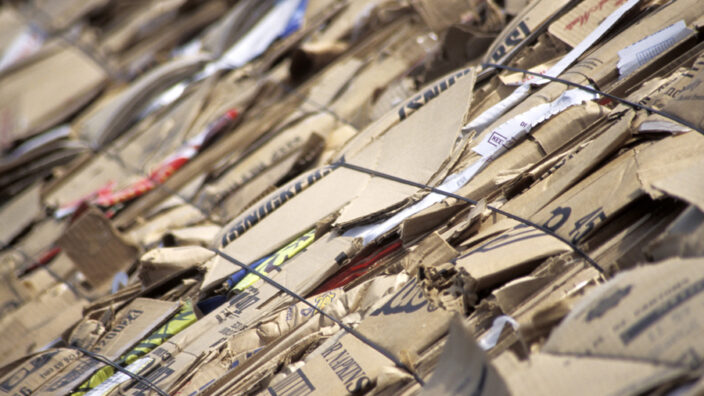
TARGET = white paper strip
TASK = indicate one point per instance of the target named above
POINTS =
(507, 134)
(638, 54)
(492, 114)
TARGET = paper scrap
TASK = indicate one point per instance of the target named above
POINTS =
(27, 43)
(640, 53)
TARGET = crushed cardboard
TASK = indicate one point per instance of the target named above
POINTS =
(233, 126)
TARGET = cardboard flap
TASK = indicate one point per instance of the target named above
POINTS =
(529, 20)
(509, 254)
(28, 376)
(96, 248)
(585, 207)
(670, 164)
(582, 20)
(463, 368)
(414, 149)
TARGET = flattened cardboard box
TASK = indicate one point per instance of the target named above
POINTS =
(405, 324)
(27, 377)
(38, 322)
(341, 186)
(652, 313)
(133, 323)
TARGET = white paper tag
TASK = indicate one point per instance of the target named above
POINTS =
(640, 53)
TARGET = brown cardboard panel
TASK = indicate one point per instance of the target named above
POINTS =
(545, 374)
(409, 151)
(571, 169)
(96, 247)
(39, 368)
(40, 99)
(279, 148)
(298, 215)
(582, 20)
(345, 367)
(406, 47)
(404, 323)
(582, 209)
(512, 294)
(650, 314)
(285, 330)
(19, 213)
(509, 254)
(402, 111)
(302, 274)
(670, 163)
(570, 280)
(170, 361)
(566, 126)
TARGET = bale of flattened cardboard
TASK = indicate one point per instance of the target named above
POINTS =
(587, 282)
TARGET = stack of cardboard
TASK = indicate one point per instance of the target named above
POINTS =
(432, 211)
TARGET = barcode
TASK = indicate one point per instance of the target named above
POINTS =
(296, 384)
